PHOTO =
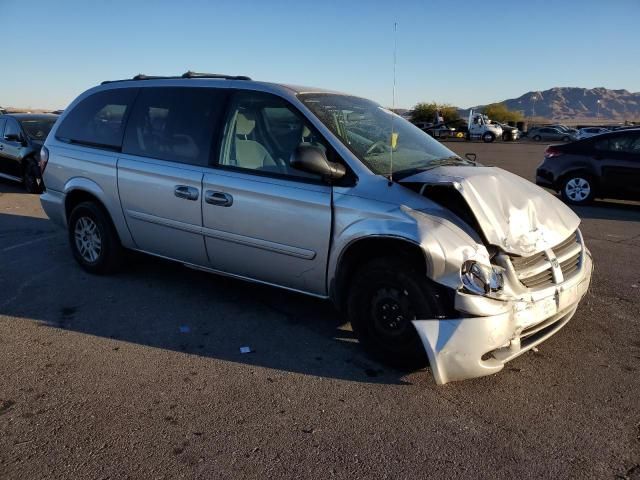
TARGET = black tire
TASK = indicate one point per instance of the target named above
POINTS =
(31, 176)
(109, 255)
(537, 138)
(488, 137)
(380, 286)
(578, 189)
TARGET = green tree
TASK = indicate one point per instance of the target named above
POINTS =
(500, 113)
(426, 112)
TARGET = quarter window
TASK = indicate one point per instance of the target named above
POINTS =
(175, 124)
(2, 122)
(261, 133)
(98, 120)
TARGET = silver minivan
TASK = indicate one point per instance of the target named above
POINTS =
(433, 258)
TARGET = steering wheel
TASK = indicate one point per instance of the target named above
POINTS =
(380, 144)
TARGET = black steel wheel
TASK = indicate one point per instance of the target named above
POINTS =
(387, 294)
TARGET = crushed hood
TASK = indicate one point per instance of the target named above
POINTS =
(513, 213)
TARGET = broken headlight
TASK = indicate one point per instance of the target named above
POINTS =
(480, 279)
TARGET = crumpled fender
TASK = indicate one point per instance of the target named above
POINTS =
(446, 246)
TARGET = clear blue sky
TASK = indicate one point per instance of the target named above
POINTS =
(472, 53)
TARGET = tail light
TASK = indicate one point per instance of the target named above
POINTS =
(44, 159)
(551, 152)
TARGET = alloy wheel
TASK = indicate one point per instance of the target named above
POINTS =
(88, 239)
(577, 189)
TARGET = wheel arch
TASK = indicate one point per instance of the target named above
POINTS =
(362, 249)
(578, 170)
(78, 190)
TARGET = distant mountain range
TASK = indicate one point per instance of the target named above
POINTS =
(571, 103)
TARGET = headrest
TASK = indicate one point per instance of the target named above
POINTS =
(244, 125)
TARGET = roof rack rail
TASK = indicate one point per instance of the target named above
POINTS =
(189, 74)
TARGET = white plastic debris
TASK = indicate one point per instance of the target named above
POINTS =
(245, 350)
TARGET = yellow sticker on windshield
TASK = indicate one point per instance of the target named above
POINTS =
(394, 140)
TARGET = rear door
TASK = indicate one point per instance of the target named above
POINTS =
(263, 219)
(167, 144)
(619, 159)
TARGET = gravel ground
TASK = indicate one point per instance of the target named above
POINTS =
(139, 375)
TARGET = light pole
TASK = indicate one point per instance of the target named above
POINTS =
(533, 106)
(598, 109)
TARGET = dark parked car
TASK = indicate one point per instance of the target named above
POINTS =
(605, 166)
(21, 138)
(549, 133)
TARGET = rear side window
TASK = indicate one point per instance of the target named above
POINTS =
(99, 119)
(627, 143)
(175, 124)
(2, 122)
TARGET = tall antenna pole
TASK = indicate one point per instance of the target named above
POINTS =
(393, 99)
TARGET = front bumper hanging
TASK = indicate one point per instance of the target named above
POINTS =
(497, 331)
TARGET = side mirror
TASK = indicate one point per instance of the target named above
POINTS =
(12, 137)
(471, 157)
(310, 159)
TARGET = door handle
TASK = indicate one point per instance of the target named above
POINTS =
(186, 192)
(220, 199)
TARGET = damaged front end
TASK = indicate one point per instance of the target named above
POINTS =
(519, 288)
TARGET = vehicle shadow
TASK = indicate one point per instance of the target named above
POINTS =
(161, 304)
(609, 210)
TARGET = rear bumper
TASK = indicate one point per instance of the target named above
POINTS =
(497, 331)
(545, 178)
(53, 205)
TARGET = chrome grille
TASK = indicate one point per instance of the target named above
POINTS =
(536, 271)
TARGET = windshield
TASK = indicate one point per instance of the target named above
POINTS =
(366, 128)
(38, 129)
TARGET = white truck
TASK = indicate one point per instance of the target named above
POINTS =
(481, 128)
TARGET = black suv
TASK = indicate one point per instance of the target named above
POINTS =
(604, 166)
(21, 138)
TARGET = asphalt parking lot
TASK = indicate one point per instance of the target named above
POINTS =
(139, 375)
